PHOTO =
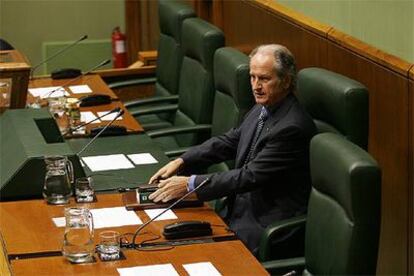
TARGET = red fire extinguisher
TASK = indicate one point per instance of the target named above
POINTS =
(119, 56)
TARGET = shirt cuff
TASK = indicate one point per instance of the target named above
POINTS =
(190, 184)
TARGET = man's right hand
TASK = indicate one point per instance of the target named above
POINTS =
(167, 171)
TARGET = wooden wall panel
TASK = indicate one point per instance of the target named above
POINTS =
(246, 26)
(411, 176)
(388, 143)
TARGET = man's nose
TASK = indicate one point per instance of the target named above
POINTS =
(256, 84)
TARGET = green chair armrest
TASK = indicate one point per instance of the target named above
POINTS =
(179, 130)
(284, 266)
(131, 82)
(275, 228)
(176, 152)
(152, 100)
(167, 108)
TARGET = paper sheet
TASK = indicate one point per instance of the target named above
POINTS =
(79, 89)
(201, 269)
(44, 92)
(108, 117)
(107, 162)
(152, 213)
(142, 158)
(88, 116)
(153, 270)
(107, 217)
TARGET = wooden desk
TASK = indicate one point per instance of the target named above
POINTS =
(97, 85)
(27, 227)
(229, 258)
(95, 82)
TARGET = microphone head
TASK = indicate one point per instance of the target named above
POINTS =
(105, 62)
(121, 112)
(84, 37)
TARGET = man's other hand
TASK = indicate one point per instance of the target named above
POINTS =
(167, 171)
(171, 188)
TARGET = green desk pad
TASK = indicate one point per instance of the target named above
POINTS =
(113, 180)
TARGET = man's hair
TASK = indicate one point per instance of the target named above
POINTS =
(284, 61)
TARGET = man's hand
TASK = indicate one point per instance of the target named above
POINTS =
(171, 188)
(167, 171)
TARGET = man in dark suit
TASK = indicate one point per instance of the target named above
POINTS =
(271, 179)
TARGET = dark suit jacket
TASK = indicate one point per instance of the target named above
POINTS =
(274, 184)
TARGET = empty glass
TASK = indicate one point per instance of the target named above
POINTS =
(58, 179)
(84, 189)
(78, 246)
(109, 247)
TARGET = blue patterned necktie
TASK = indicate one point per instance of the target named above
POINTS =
(260, 124)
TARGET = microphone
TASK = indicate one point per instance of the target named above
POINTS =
(168, 208)
(118, 109)
(100, 132)
(105, 62)
(56, 54)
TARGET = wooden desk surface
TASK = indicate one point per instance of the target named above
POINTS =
(94, 81)
(27, 227)
(229, 258)
(97, 85)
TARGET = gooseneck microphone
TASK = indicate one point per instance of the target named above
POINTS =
(56, 54)
(118, 109)
(169, 208)
(120, 112)
(105, 62)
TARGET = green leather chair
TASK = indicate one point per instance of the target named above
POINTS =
(338, 104)
(200, 40)
(169, 60)
(343, 220)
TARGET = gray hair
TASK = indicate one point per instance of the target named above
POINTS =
(284, 64)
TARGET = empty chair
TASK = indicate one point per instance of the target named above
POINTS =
(200, 40)
(337, 103)
(169, 60)
(343, 220)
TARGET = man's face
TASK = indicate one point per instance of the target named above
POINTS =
(268, 88)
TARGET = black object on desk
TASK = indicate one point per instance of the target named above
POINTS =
(95, 99)
(109, 131)
(65, 73)
(187, 229)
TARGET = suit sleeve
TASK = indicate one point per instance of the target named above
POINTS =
(283, 152)
(214, 150)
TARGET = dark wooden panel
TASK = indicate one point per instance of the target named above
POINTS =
(411, 178)
(388, 143)
(247, 25)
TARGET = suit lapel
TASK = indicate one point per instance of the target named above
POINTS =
(247, 134)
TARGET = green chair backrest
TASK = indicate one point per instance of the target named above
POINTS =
(343, 222)
(170, 56)
(338, 104)
(233, 90)
(200, 40)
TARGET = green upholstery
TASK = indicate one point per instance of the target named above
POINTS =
(337, 104)
(200, 40)
(169, 60)
(343, 221)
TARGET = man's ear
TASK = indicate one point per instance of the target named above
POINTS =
(285, 83)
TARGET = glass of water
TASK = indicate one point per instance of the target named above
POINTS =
(109, 247)
(84, 189)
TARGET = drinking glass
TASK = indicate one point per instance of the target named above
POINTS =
(84, 189)
(109, 246)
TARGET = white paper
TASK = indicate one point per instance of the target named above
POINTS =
(107, 217)
(59, 222)
(142, 158)
(107, 162)
(87, 116)
(108, 117)
(44, 92)
(153, 270)
(152, 213)
(79, 89)
(201, 269)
